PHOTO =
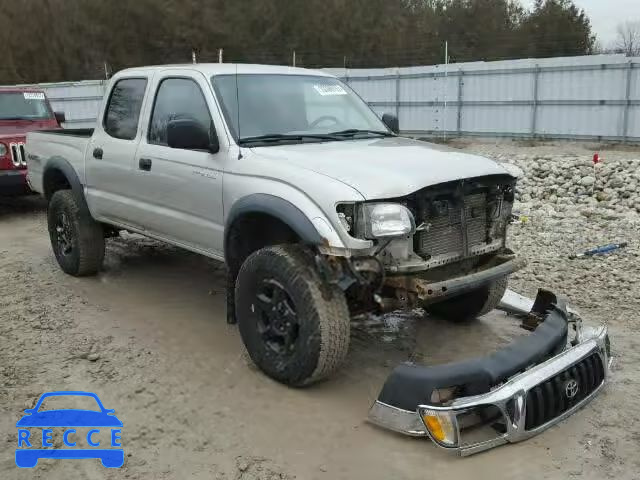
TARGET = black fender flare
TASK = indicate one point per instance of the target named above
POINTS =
(63, 165)
(277, 207)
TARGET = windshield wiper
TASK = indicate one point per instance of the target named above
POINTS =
(352, 132)
(279, 137)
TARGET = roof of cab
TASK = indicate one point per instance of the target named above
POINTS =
(212, 69)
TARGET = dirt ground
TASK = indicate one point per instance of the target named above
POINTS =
(148, 335)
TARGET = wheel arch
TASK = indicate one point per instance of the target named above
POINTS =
(284, 221)
(279, 208)
(59, 174)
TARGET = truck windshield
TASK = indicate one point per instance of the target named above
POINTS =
(23, 106)
(269, 109)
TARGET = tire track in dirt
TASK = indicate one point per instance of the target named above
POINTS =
(48, 343)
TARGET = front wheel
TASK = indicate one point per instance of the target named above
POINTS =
(76, 238)
(295, 326)
(472, 304)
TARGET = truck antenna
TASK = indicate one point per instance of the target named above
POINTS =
(238, 114)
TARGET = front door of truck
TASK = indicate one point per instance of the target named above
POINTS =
(181, 190)
(110, 153)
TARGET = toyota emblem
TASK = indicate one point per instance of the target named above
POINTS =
(571, 388)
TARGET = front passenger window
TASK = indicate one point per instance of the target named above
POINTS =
(177, 98)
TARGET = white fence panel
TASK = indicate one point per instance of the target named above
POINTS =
(578, 121)
(498, 86)
(591, 97)
(492, 120)
(634, 121)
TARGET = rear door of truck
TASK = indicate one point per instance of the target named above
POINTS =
(179, 191)
(110, 188)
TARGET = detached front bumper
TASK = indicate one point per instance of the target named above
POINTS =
(509, 396)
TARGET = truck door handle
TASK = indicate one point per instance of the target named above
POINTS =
(145, 164)
(98, 153)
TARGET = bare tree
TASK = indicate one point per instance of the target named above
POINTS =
(628, 40)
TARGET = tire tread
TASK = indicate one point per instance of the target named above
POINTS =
(91, 243)
(327, 301)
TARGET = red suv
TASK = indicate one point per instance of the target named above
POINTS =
(22, 110)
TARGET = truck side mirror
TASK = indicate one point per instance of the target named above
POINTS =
(391, 121)
(60, 117)
(189, 134)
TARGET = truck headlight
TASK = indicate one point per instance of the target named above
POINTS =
(3, 149)
(385, 220)
(442, 426)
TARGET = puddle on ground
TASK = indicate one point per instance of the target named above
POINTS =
(429, 340)
(389, 328)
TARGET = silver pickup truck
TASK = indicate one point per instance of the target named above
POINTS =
(318, 208)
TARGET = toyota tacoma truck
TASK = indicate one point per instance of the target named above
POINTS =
(321, 212)
(22, 110)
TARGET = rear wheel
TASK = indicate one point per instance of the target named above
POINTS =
(76, 238)
(295, 326)
(471, 305)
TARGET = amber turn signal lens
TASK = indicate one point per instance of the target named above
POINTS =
(434, 426)
(442, 426)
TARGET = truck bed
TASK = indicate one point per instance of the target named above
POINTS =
(69, 145)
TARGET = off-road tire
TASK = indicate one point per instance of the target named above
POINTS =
(85, 236)
(322, 339)
(471, 305)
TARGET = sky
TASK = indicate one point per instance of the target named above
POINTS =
(605, 15)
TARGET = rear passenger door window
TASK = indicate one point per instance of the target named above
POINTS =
(177, 98)
(123, 111)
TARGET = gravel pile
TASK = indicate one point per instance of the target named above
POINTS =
(570, 209)
(570, 186)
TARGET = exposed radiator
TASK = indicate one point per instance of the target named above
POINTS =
(457, 228)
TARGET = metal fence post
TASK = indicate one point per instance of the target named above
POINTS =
(627, 104)
(459, 119)
(398, 79)
(534, 107)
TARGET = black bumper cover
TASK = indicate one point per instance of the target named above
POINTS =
(410, 385)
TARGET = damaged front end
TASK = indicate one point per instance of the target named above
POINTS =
(441, 241)
(457, 223)
(507, 396)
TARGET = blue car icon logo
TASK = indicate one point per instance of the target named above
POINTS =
(69, 420)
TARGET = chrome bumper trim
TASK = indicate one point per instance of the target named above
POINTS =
(590, 340)
(397, 419)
